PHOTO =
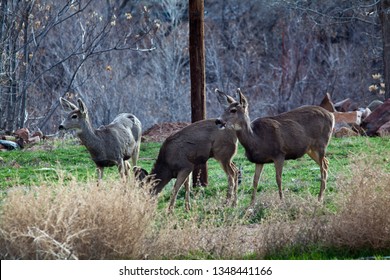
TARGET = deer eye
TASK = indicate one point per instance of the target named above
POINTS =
(74, 116)
(233, 110)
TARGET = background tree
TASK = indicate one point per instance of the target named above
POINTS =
(50, 45)
(384, 16)
(282, 54)
(161, 78)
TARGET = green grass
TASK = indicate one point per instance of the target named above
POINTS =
(60, 160)
(319, 252)
(31, 166)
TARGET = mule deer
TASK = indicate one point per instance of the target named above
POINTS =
(109, 145)
(305, 130)
(192, 145)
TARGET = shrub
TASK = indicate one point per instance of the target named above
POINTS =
(353, 221)
(362, 220)
(75, 221)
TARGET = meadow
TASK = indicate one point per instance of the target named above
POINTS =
(51, 208)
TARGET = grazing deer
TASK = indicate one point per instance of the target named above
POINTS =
(109, 145)
(193, 145)
(305, 130)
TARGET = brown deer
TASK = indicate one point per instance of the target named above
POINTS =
(193, 145)
(109, 145)
(305, 130)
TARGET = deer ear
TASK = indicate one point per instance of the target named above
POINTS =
(67, 105)
(243, 100)
(223, 98)
(82, 107)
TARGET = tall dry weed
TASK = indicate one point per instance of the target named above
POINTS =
(75, 221)
(211, 231)
(215, 236)
(297, 221)
(355, 217)
(363, 218)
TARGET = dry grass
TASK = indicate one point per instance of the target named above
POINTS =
(75, 221)
(207, 232)
(84, 221)
(363, 219)
(357, 221)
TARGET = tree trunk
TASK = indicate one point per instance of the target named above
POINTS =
(197, 70)
(23, 72)
(3, 34)
(384, 16)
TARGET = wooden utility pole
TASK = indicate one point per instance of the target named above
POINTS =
(198, 76)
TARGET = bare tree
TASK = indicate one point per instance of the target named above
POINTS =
(48, 44)
(165, 83)
(289, 53)
(282, 53)
(384, 16)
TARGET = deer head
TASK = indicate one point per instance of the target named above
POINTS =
(76, 115)
(235, 111)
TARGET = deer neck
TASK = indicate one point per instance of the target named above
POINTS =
(88, 136)
(245, 135)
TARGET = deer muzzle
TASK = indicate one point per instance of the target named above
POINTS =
(220, 123)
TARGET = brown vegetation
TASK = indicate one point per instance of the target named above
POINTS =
(363, 220)
(75, 221)
(87, 222)
(160, 131)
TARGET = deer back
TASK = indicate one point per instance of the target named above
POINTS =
(290, 134)
(116, 140)
(294, 132)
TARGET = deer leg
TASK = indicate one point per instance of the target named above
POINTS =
(135, 155)
(231, 172)
(235, 183)
(188, 191)
(181, 177)
(99, 174)
(320, 159)
(122, 169)
(279, 169)
(256, 177)
(324, 176)
(127, 169)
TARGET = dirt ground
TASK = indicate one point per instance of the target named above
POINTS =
(159, 132)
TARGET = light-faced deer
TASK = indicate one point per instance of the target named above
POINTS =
(305, 130)
(193, 145)
(109, 145)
